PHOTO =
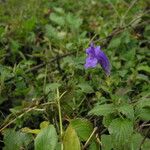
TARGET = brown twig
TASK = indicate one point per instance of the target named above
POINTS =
(52, 60)
(42, 65)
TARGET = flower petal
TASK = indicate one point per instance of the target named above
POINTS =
(88, 50)
(90, 62)
(97, 51)
(104, 62)
(96, 55)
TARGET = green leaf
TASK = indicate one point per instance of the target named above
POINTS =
(82, 127)
(51, 87)
(143, 102)
(59, 146)
(73, 21)
(147, 31)
(44, 124)
(142, 77)
(58, 10)
(120, 130)
(86, 88)
(108, 119)
(14, 46)
(71, 140)
(135, 141)
(2, 30)
(94, 146)
(146, 144)
(46, 139)
(29, 24)
(145, 113)
(51, 32)
(115, 42)
(144, 68)
(28, 130)
(15, 140)
(57, 19)
(102, 110)
(127, 110)
(143, 108)
(106, 142)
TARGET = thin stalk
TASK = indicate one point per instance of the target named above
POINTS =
(129, 8)
(90, 137)
(60, 118)
(112, 5)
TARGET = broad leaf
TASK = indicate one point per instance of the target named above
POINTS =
(144, 68)
(115, 42)
(51, 32)
(94, 146)
(136, 140)
(82, 127)
(127, 110)
(120, 130)
(44, 124)
(108, 119)
(145, 113)
(143, 109)
(59, 20)
(71, 140)
(106, 142)
(102, 110)
(46, 139)
(51, 87)
(15, 140)
(86, 88)
(143, 103)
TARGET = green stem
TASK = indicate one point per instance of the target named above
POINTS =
(60, 118)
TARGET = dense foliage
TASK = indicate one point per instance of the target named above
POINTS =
(48, 100)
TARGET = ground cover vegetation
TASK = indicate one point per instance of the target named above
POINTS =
(49, 98)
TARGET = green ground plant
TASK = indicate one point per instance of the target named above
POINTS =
(48, 100)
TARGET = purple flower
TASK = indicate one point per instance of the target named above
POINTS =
(97, 56)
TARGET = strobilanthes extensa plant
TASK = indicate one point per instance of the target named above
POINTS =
(97, 56)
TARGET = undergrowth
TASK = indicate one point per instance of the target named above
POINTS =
(48, 100)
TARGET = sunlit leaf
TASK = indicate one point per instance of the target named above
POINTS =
(44, 124)
(28, 130)
(71, 140)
